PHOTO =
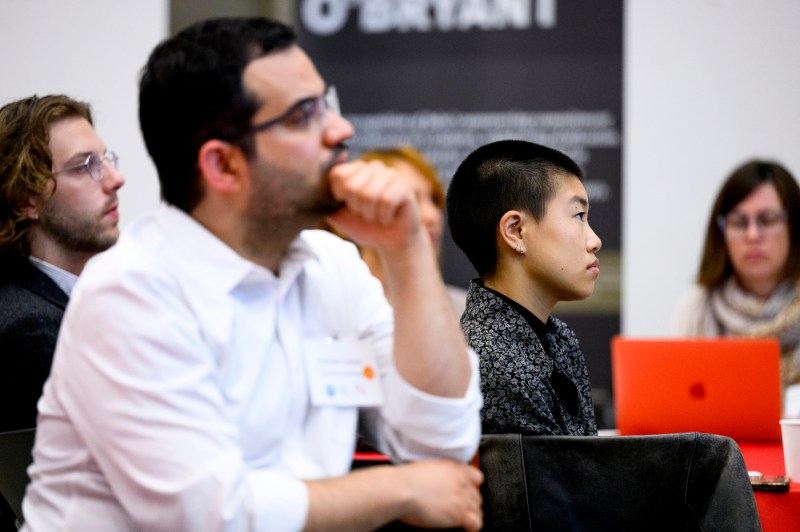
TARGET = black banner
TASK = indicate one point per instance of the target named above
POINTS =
(447, 76)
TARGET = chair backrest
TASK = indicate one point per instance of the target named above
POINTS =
(690, 481)
(15, 457)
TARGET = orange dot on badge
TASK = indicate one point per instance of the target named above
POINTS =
(368, 372)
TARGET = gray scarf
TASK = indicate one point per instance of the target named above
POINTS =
(735, 312)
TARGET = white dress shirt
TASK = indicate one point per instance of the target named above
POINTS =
(179, 396)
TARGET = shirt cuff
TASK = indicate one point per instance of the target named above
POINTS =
(280, 501)
(450, 425)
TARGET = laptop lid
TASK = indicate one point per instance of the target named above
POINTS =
(727, 386)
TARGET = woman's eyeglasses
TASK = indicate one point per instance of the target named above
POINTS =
(737, 225)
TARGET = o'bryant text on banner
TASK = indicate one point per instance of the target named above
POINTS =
(325, 17)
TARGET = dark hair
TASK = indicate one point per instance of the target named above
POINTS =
(191, 91)
(497, 178)
(715, 265)
(26, 164)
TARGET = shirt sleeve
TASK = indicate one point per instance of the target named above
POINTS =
(139, 384)
(419, 425)
(411, 424)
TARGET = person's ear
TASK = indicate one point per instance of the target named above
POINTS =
(31, 208)
(222, 165)
(511, 227)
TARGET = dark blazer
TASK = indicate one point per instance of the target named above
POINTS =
(31, 308)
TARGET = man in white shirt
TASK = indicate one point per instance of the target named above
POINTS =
(214, 368)
(58, 208)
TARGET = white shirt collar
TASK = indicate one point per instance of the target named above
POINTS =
(220, 260)
(64, 279)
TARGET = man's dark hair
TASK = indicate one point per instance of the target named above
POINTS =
(191, 91)
(494, 179)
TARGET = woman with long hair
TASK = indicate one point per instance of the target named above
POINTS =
(748, 283)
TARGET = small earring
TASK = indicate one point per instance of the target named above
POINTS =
(521, 249)
(36, 217)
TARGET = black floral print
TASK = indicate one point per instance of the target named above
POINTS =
(524, 389)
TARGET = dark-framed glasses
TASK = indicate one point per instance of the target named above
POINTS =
(93, 165)
(304, 112)
(767, 222)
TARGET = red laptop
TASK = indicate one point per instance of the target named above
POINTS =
(727, 386)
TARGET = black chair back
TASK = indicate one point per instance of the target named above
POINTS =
(687, 482)
(15, 457)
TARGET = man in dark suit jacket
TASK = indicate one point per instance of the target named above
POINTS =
(30, 315)
(58, 208)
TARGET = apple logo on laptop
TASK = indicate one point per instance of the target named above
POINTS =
(697, 390)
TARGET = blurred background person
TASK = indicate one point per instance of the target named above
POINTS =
(413, 167)
(748, 283)
(58, 208)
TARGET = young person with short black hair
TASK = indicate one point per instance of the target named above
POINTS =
(520, 213)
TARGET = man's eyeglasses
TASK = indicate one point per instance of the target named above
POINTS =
(93, 165)
(767, 222)
(304, 112)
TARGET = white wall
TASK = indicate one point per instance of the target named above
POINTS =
(91, 50)
(708, 84)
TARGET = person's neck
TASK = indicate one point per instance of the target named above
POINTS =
(762, 288)
(70, 261)
(263, 242)
(266, 247)
(519, 288)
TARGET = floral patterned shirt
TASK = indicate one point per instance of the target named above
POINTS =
(527, 388)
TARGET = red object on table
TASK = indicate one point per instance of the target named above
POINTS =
(778, 511)
(368, 458)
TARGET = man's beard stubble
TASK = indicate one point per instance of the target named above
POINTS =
(79, 232)
(275, 205)
(328, 204)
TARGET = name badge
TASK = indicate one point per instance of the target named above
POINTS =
(342, 372)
